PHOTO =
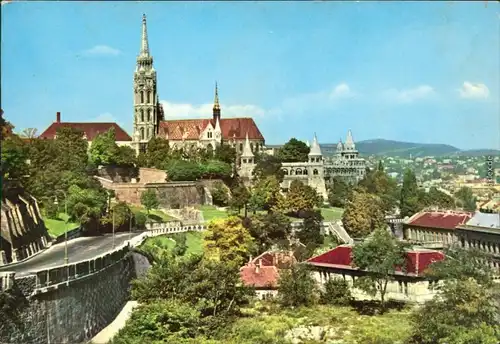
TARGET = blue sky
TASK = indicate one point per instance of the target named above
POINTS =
(422, 72)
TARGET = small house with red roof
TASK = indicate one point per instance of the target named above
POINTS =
(409, 284)
(90, 130)
(435, 229)
(262, 272)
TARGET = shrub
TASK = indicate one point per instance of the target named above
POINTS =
(140, 220)
(219, 194)
(182, 170)
(51, 210)
(336, 292)
(217, 169)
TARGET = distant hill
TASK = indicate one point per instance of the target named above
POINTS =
(405, 149)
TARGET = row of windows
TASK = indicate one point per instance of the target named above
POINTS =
(148, 111)
(146, 134)
(148, 96)
(300, 171)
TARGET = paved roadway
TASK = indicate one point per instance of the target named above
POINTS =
(78, 249)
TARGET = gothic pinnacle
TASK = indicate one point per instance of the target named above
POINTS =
(216, 99)
(144, 39)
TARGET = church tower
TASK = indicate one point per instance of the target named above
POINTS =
(147, 110)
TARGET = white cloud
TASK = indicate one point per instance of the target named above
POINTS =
(341, 91)
(410, 95)
(104, 117)
(474, 90)
(102, 50)
(5, 2)
(183, 111)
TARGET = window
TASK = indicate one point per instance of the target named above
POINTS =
(142, 133)
(209, 134)
(305, 172)
(241, 147)
(286, 172)
(315, 171)
(147, 133)
(251, 147)
(149, 97)
(149, 115)
(142, 97)
(298, 172)
(142, 115)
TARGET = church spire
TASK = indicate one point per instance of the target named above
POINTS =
(216, 108)
(144, 39)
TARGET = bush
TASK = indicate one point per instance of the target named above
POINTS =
(140, 220)
(51, 210)
(217, 169)
(336, 292)
(182, 170)
(219, 194)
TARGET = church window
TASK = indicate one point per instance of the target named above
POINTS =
(241, 147)
(149, 97)
(305, 172)
(315, 171)
(209, 134)
(149, 115)
(286, 172)
(298, 172)
(142, 133)
(142, 97)
(142, 115)
(251, 147)
(291, 172)
(256, 147)
(147, 133)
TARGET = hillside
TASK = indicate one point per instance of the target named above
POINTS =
(404, 149)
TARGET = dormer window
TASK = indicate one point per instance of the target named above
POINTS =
(209, 134)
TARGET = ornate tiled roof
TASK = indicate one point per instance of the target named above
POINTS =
(439, 219)
(259, 277)
(190, 129)
(341, 258)
(91, 130)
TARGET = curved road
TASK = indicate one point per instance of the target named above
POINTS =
(78, 249)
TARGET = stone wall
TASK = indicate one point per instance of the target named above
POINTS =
(152, 175)
(118, 174)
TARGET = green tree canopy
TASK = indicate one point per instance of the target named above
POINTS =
(149, 200)
(380, 255)
(72, 150)
(435, 198)
(268, 230)
(409, 201)
(184, 170)
(380, 184)
(219, 193)
(294, 151)
(86, 205)
(310, 233)
(268, 166)
(14, 155)
(225, 153)
(105, 151)
(213, 169)
(265, 193)
(363, 214)
(296, 287)
(240, 196)
(466, 199)
(300, 197)
(337, 193)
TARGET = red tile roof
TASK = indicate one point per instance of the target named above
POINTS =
(281, 260)
(263, 277)
(341, 258)
(439, 219)
(191, 129)
(91, 130)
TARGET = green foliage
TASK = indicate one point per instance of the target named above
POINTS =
(265, 193)
(310, 233)
(120, 214)
(219, 193)
(240, 196)
(435, 198)
(466, 199)
(380, 255)
(213, 169)
(140, 219)
(86, 205)
(293, 151)
(296, 287)
(157, 153)
(363, 214)
(149, 200)
(336, 292)
(183, 170)
(409, 201)
(14, 155)
(270, 230)
(378, 183)
(103, 149)
(72, 150)
(300, 197)
(337, 194)
(228, 240)
(268, 166)
(225, 153)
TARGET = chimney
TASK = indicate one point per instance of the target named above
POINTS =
(258, 266)
(58, 117)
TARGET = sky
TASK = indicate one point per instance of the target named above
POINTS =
(424, 72)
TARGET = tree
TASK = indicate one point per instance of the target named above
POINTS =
(14, 155)
(239, 197)
(310, 233)
(228, 240)
(219, 193)
(265, 194)
(409, 202)
(157, 152)
(379, 255)
(86, 206)
(216, 169)
(268, 166)
(149, 200)
(378, 183)
(270, 230)
(336, 292)
(120, 214)
(126, 156)
(183, 170)
(337, 194)
(293, 151)
(5, 127)
(363, 214)
(300, 197)
(103, 149)
(466, 199)
(29, 133)
(435, 198)
(72, 150)
(225, 153)
(296, 287)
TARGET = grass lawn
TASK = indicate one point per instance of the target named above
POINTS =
(59, 226)
(262, 325)
(194, 242)
(156, 215)
(210, 213)
(332, 214)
